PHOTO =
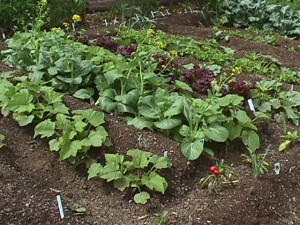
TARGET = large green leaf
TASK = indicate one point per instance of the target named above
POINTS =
(142, 197)
(167, 124)
(216, 133)
(23, 119)
(155, 182)
(94, 170)
(93, 117)
(140, 159)
(140, 123)
(69, 149)
(192, 149)
(251, 139)
(45, 129)
(112, 75)
(148, 108)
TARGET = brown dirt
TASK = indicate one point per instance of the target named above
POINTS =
(30, 173)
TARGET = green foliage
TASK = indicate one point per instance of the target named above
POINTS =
(22, 14)
(73, 136)
(269, 98)
(139, 172)
(162, 218)
(274, 18)
(258, 161)
(2, 139)
(29, 101)
(289, 138)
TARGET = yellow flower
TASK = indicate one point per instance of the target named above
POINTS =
(160, 44)
(44, 2)
(173, 53)
(66, 25)
(214, 82)
(150, 32)
(237, 70)
(76, 18)
(56, 30)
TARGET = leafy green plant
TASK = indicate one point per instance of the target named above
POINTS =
(2, 139)
(289, 138)
(29, 101)
(77, 208)
(274, 18)
(258, 161)
(162, 218)
(161, 111)
(137, 173)
(75, 135)
(221, 176)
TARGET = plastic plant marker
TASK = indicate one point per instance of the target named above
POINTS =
(162, 14)
(106, 23)
(165, 153)
(167, 12)
(3, 35)
(251, 106)
(60, 206)
(277, 168)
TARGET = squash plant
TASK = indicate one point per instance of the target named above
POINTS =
(138, 173)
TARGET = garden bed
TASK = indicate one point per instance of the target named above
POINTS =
(31, 175)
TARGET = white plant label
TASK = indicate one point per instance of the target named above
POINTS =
(152, 14)
(165, 153)
(251, 106)
(168, 13)
(162, 14)
(3, 35)
(277, 168)
(60, 206)
(106, 23)
(292, 88)
(137, 17)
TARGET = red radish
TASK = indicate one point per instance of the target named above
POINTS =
(216, 172)
(213, 168)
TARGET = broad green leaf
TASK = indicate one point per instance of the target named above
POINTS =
(155, 182)
(216, 133)
(54, 144)
(182, 86)
(160, 162)
(251, 139)
(142, 197)
(140, 123)
(192, 149)
(69, 148)
(122, 183)
(98, 137)
(21, 102)
(122, 108)
(106, 104)
(93, 117)
(167, 124)
(110, 172)
(148, 108)
(114, 158)
(86, 93)
(242, 117)
(140, 158)
(176, 107)
(112, 75)
(52, 70)
(233, 130)
(44, 129)
(94, 170)
(284, 145)
(53, 97)
(82, 67)
(184, 130)
(230, 100)
(23, 119)
(62, 120)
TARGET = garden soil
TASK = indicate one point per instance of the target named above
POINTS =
(31, 176)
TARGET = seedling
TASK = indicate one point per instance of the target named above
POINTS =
(289, 138)
(2, 139)
(77, 209)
